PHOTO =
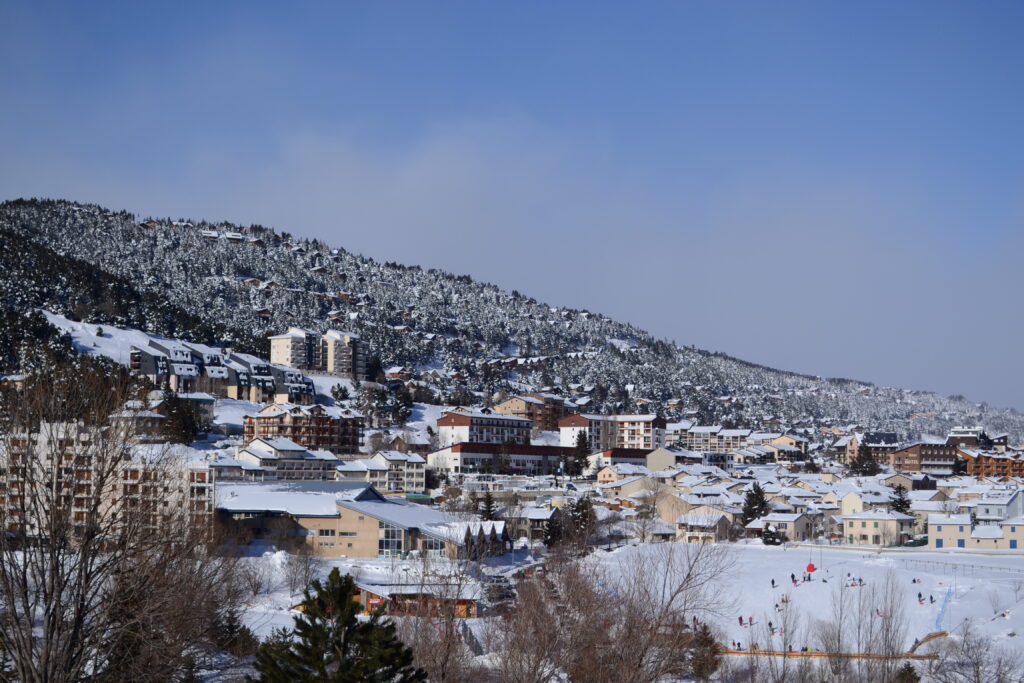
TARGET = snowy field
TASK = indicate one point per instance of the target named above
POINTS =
(987, 589)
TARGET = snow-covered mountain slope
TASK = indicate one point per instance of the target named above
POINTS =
(254, 281)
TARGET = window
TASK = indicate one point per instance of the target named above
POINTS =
(389, 540)
(938, 527)
(327, 532)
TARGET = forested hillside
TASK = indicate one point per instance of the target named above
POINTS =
(235, 285)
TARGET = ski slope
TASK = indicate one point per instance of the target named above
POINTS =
(987, 589)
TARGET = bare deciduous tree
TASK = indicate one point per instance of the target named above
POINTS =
(865, 619)
(106, 571)
(303, 564)
(968, 656)
(631, 622)
(432, 621)
(254, 575)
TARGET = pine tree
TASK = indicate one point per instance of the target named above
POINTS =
(704, 655)
(755, 504)
(339, 392)
(583, 520)
(906, 674)
(329, 643)
(181, 424)
(900, 501)
(232, 636)
(489, 510)
(577, 464)
(554, 530)
(864, 464)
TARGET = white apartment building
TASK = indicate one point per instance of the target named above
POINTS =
(613, 431)
(464, 425)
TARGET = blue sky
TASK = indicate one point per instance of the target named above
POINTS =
(834, 188)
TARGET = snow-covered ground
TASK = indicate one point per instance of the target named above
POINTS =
(987, 589)
(325, 383)
(424, 415)
(272, 608)
(229, 412)
(114, 343)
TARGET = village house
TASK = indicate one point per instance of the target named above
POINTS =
(948, 531)
(845, 448)
(695, 527)
(877, 527)
(530, 522)
(626, 456)
(794, 526)
(610, 473)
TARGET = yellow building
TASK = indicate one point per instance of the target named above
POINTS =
(350, 519)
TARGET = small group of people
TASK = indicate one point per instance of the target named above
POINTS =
(920, 598)
(854, 581)
(748, 624)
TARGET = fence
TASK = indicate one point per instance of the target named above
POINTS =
(960, 569)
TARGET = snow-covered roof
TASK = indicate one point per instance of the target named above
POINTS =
(297, 498)
(706, 429)
(949, 519)
(879, 515)
(699, 519)
(276, 444)
(987, 531)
